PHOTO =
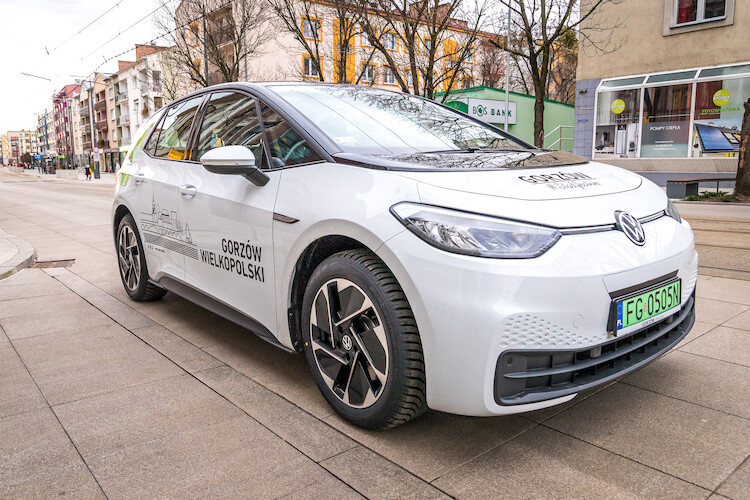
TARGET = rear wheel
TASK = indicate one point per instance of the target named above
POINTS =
(362, 343)
(132, 263)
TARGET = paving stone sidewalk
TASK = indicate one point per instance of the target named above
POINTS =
(104, 397)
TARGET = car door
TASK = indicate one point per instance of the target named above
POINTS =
(229, 217)
(163, 230)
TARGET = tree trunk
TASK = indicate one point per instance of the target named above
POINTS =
(742, 185)
(538, 120)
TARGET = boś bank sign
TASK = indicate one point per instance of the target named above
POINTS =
(491, 111)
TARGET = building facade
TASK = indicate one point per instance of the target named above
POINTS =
(133, 93)
(44, 119)
(284, 57)
(488, 105)
(62, 103)
(669, 100)
(21, 142)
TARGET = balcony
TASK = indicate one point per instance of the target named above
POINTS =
(99, 105)
(121, 96)
(144, 89)
(102, 125)
(84, 110)
(123, 120)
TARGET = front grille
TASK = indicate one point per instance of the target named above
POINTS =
(530, 376)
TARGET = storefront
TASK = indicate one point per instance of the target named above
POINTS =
(687, 114)
(487, 104)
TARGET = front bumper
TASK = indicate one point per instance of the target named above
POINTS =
(531, 376)
(473, 313)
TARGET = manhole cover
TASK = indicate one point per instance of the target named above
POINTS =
(53, 263)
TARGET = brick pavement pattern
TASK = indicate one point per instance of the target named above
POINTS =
(104, 397)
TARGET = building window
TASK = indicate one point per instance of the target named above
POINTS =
(369, 73)
(699, 11)
(388, 77)
(309, 68)
(365, 40)
(194, 33)
(427, 42)
(409, 78)
(389, 41)
(617, 115)
(311, 28)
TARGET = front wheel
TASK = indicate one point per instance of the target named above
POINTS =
(362, 343)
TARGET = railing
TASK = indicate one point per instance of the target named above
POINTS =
(121, 96)
(123, 119)
(102, 125)
(98, 105)
(84, 111)
(558, 132)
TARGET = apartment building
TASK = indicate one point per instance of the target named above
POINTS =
(668, 102)
(21, 142)
(62, 103)
(44, 121)
(133, 93)
(4, 149)
(285, 58)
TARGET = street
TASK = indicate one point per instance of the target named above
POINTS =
(104, 397)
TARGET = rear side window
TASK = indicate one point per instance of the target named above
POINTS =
(154, 138)
(231, 119)
(287, 146)
(174, 131)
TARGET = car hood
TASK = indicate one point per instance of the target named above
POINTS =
(521, 175)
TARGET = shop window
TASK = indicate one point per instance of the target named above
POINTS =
(617, 116)
(666, 120)
(718, 117)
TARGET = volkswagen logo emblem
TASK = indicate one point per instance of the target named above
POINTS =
(346, 342)
(631, 227)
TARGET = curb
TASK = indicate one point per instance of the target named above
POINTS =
(25, 257)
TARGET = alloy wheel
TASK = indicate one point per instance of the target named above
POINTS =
(129, 257)
(349, 343)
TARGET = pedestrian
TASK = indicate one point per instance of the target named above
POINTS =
(117, 166)
(88, 173)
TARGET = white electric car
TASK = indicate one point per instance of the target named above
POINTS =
(418, 257)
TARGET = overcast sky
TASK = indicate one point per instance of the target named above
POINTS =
(28, 26)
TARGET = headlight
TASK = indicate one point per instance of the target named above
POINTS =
(672, 212)
(471, 234)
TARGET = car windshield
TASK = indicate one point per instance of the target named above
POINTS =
(371, 121)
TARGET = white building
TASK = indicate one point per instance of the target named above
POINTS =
(133, 93)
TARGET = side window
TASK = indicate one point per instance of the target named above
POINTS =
(231, 119)
(175, 130)
(286, 145)
(151, 143)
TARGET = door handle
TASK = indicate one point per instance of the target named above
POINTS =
(139, 178)
(188, 191)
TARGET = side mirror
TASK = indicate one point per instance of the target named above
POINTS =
(234, 160)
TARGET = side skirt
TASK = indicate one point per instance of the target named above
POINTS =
(217, 307)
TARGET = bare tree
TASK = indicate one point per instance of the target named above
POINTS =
(543, 26)
(438, 40)
(302, 18)
(742, 184)
(214, 38)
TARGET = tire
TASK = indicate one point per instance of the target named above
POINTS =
(132, 263)
(371, 370)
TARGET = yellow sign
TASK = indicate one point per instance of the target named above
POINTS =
(618, 106)
(722, 97)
